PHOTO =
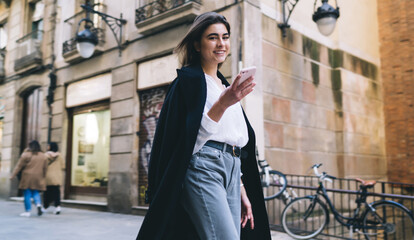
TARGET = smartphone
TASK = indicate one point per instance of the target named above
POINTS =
(246, 73)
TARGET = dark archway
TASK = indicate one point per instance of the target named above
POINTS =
(32, 116)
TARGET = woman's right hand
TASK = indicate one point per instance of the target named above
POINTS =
(231, 95)
(236, 92)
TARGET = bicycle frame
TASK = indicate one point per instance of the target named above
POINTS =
(355, 220)
(264, 166)
(364, 218)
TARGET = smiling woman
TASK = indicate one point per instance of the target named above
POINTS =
(213, 46)
(202, 143)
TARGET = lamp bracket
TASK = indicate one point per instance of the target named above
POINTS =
(115, 24)
(289, 5)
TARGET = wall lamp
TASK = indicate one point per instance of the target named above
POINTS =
(325, 16)
(87, 39)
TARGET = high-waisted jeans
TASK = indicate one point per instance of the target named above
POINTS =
(211, 194)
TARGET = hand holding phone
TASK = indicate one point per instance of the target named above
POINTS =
(246, 73)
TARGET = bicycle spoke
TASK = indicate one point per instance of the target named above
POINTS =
(303, 218)
(388, 222)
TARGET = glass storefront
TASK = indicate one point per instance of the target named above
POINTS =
(90, 149)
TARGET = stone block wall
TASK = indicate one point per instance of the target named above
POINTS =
(396, 30)
(122, 177)
(321, 105)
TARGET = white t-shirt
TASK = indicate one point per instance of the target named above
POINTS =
(231, 128)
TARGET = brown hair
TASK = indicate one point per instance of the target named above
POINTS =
(34, 146)
(186, 50)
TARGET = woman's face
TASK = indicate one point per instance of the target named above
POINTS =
(214, 45)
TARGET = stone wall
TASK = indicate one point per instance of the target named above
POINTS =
(321, 105)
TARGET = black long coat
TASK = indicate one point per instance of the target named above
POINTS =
(171, 152)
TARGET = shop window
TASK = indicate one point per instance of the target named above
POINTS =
(89, 153)
(151, 101)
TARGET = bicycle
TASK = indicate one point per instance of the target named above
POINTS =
(306, 217)
(273, 182)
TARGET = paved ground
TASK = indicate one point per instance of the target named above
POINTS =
(71, 224)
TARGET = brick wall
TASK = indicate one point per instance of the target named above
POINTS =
(396, 31)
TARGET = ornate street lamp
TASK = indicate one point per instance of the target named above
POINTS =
(325, 16)
(86, 40)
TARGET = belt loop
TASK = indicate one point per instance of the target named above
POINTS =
(224, 147)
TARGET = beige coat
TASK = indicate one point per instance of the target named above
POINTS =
(54, 169)
(34, 170)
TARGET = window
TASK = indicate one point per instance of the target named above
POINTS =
(90, 148)
(3, 35)
(36, 12)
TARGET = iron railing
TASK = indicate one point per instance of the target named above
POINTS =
(29, 43)
(71, 27)
(154, 8)
(343, 193)
(37, 34)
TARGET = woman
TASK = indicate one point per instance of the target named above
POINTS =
(53, 177)
(33, 164)
(194, 185)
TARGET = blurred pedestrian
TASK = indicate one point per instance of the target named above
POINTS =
(55, 166)
(202, 143)
(33, 166)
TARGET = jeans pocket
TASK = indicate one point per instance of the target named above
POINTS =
(210, 154)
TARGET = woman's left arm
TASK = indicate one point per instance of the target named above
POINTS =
(246, 208)
(20, 164)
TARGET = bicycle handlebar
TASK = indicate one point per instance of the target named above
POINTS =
(315, 169)
(322, 176)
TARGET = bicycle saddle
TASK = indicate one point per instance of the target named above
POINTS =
(369, 183)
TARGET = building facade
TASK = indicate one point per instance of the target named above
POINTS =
(317, 99)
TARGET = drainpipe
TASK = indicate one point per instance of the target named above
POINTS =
(52, 69)
(240, 52)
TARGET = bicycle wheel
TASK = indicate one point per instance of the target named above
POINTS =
(304, 217)
(389, 220)
(274, 186)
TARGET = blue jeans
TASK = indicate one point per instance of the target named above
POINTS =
(211, 194)
(28, 194)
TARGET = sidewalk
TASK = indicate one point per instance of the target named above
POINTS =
(71, 224)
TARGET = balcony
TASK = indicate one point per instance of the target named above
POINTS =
(29, 54)
(69, 51)
(162, 14)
